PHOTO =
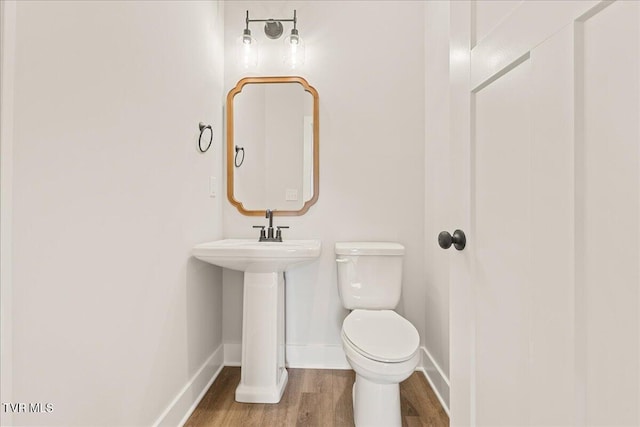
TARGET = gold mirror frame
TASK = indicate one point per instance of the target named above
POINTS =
(230, 144)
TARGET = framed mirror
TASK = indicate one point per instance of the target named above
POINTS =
(272, 145)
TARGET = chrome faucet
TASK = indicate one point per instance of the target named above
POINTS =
(268, 236)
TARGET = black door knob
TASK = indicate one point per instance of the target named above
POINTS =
(458, 239)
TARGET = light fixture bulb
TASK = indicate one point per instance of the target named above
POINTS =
(247, 51)
(294, 50)
(246, 36)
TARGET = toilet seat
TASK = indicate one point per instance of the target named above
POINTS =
(381, 335)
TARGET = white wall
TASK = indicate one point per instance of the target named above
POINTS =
(111, 316)
(370, 79)
(7, 59)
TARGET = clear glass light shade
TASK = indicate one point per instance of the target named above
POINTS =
(294, 49)
(247, 51)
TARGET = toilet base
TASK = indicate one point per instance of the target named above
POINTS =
(376, 404)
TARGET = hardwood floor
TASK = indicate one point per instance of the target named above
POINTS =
(313, 397)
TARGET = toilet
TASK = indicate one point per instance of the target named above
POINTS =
(381, 346)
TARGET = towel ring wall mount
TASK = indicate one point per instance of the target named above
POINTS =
(203, 128)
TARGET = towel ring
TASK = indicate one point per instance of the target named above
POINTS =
(235, 161)
(204, 127)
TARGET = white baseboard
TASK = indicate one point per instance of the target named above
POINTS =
(179, 410)
(316, 357)
(298, 356)
(436, 378)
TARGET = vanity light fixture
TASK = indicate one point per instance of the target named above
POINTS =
(293, 49)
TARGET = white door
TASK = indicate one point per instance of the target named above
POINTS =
(545, 135)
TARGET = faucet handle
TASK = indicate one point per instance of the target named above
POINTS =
(279, 232)
(262, 233)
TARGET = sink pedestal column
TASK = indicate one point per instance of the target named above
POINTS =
(263, 375)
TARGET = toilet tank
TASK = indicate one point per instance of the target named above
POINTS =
(369, 274)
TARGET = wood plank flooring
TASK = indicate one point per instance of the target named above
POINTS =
(313, 397)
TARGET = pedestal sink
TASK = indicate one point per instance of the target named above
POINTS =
(263, 375)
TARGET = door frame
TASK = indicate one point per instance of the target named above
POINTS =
(461, 369)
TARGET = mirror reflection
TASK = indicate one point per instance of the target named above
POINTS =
(272, 134)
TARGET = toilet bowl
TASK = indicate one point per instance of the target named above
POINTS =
(382, 348)
(380, 345)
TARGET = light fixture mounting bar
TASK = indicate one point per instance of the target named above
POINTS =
(294, 19)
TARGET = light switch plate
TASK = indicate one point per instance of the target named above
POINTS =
(213, 184)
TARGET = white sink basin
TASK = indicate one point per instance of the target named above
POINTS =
(257, 257)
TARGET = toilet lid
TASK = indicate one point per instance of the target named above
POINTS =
(381, 335)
